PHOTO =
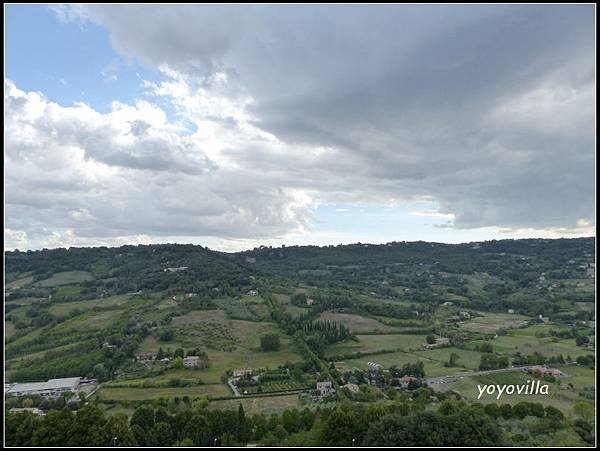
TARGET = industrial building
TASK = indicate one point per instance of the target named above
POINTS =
(52, 388)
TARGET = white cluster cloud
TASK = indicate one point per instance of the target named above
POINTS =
(71, 171)
(487, 111)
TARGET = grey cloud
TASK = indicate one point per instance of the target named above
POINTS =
(69, 170)
(488, 110)
(404, 93)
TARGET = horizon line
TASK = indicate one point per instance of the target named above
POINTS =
(298, 245)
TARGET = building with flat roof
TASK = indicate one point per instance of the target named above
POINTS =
(192, 361)
(374, 366)
(33, 410)
(146, 356)
(52, 388)
(242, 373)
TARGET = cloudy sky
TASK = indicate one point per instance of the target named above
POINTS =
(235, 126)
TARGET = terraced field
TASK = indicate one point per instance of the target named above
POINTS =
(66, 278)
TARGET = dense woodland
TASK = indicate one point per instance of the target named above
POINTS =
(184, 423)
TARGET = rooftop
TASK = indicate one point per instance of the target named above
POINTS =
(52, 384)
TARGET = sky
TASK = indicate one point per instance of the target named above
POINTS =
(239, 126)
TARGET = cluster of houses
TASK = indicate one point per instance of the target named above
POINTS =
(146, 356)
(403, 381)
(545, 371)
(52, 388)
(462, 316)
(440, 342)
(242, 373)
(179, 268)
(191, 361)
(325, 388)
(374, 369)
(543, 319)
(33, 410)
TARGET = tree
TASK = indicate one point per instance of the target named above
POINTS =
(298, 299)
(20, 429)
(453, 360)
(53, 430)
(100, 372)
(493, 362)
(177, 363)
(413, 430)
(242, 425)
(142, 422)
(166, 335)
(430, 339)
(162, 434)
(486, 347)
(467, 427)
(117, 431)
(198, 429)
(87, 428)
(270, 342)
(585, 411)
(341, 426)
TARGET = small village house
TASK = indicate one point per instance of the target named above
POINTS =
(325, 388)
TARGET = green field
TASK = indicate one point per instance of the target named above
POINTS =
(9, 329)
(433, 368)
(18, 283)
(121, 301)
(66, 278)
(466, 358)
(357, 323)
(376, 343)
(557, 397)
(492, 322)
(535, 339)
(230, 344)
(264, 404)
(88, 321)
(139, 394)
(243, 357)
(25, 359)
(236, 308)
(294, 310)
(526, 345)
(276, 386)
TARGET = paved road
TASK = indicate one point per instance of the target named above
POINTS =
(233, 387)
